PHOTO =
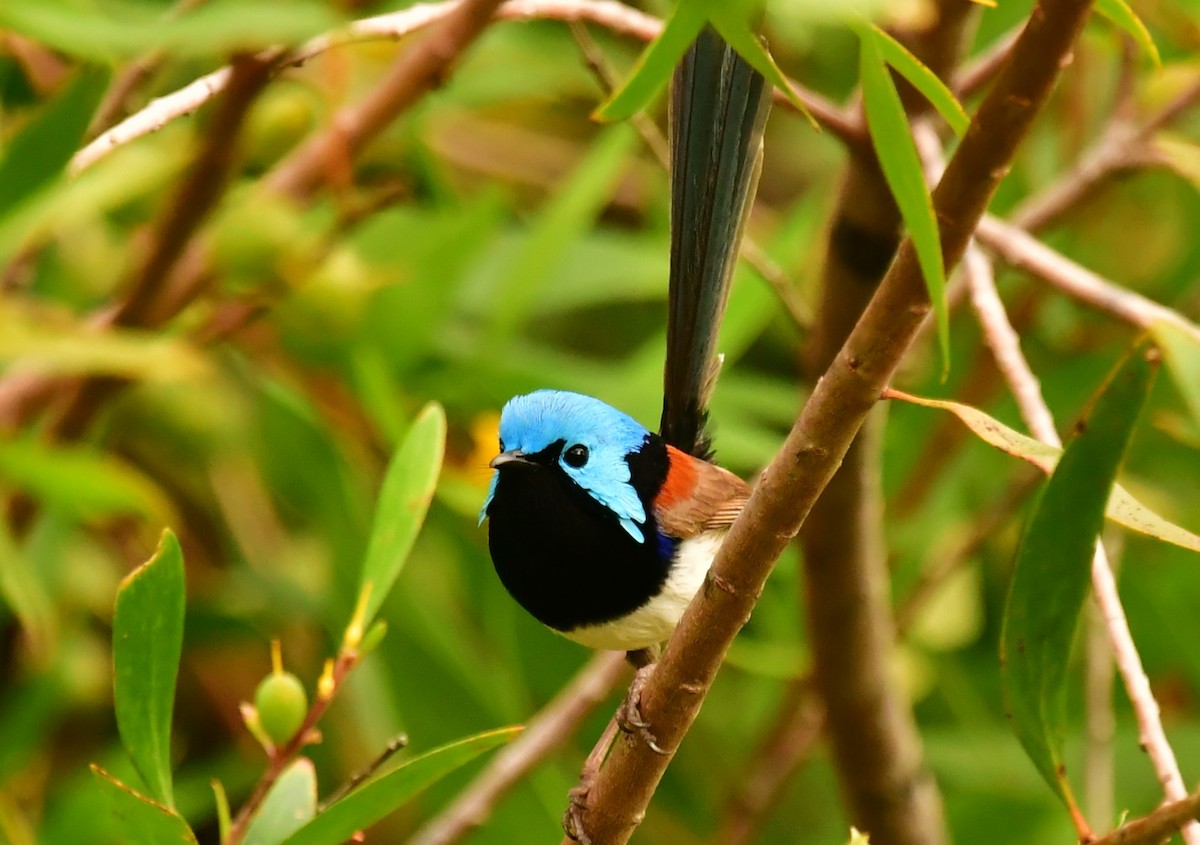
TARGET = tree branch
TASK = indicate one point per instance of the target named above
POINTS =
(1156, 826)
(825, 429)
(549, 729)
(395, 25)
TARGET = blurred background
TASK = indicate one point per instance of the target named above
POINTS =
(491, 241)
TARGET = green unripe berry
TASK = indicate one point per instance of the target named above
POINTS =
(282, 705)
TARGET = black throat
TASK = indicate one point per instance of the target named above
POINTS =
(564, 556)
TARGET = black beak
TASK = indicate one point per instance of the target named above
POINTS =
(513, 457)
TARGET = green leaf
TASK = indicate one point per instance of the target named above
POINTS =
(81, 480)
(1123, 17)
(735, 28)
(922, 78)
(21, 589)
(291, 804)
(147, 642)
(1182, 352)
(376, 798)
(557, 228)
(893, 142)
(403, 501)
(109, 30)
(41, 150)
(1123, 508)
(654, 67)
(1053, 569)
(144, 821)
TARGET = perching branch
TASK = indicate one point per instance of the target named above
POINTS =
(1156, 826)
(825, 429)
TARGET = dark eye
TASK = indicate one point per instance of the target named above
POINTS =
(576, 456)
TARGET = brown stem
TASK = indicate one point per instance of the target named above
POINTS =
(822, 435)
(1156, 826)
(876, 748)
(545, 733)
(280, 758)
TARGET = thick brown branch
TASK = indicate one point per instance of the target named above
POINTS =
(829, 422)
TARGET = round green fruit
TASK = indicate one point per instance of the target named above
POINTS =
(282, 705)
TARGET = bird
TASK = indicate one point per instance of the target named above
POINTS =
(600, 528)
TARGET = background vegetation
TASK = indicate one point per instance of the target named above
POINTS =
(228, 326)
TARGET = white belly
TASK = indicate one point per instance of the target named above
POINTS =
(654, 621)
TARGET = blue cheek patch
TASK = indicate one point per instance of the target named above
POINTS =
(483, 512)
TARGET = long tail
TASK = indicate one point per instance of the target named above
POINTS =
(719, 107)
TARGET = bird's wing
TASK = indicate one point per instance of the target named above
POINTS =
(718, 110)
(698, 496)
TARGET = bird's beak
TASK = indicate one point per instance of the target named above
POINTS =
(512, 456)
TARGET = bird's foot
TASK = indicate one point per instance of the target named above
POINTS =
(629, 714)
(572, 821)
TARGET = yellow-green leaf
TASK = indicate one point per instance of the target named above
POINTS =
(654, 67)
(921, 78)
(901, 164)
(144, 821)
(147, 643)
(291, 804)
(375, 799)
(1123, 17)
(403, 501)
(1123, 507)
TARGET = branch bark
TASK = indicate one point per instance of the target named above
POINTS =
(548, 730)
(846, 590)
(837, 409)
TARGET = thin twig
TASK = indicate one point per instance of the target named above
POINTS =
(351, 783)
(547, 731)
(1025, 252)
(829, 422)
(1005, 344)
(608, 13)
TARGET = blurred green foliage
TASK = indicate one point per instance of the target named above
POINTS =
(492, 241)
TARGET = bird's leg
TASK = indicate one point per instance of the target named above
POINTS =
(629, 714)
(577, 797)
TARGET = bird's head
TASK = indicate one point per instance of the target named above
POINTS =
(584, 439)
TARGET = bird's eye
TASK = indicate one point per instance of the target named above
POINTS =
(576, 456)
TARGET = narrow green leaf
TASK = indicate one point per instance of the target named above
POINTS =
(41, 150)
(81, 480)
(109, 30)
(556, 230)
(1053, 569)
(735, 29)
(1123, 17)
(147, 642)
(403, 501)
(901, 164)
(21, 589)
(921, 78)
(1123, 508)
(1182, 352)
(376, 798)
(144, 821)
(291, 804)
(654, 67)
